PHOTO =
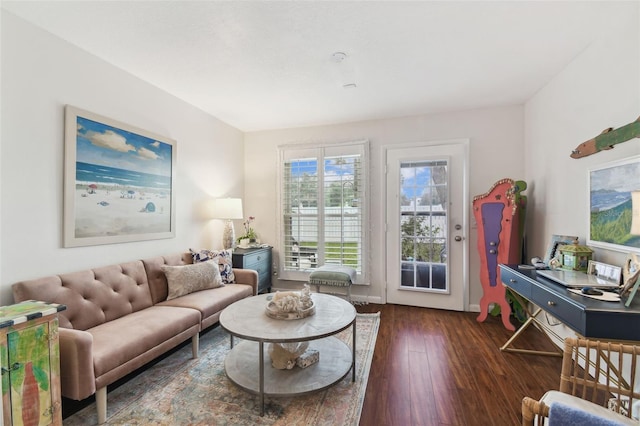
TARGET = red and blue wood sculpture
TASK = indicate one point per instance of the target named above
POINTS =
(499, 215)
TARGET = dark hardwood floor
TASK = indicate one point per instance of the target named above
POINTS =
(435, 367)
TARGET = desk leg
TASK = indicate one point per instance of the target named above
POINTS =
(532, 319)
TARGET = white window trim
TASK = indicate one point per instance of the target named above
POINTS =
(287, 151)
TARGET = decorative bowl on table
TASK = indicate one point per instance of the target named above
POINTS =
(274, 312)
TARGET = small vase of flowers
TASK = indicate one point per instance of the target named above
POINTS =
(249, 233)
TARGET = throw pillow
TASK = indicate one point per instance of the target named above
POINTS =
(190, 278)
(222, 257)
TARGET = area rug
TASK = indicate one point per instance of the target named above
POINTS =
(180, 390)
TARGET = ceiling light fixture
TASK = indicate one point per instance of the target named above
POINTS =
(338, 57)
(345, 68)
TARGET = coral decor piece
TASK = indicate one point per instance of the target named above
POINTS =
(289, 305)
(284, 355)
(310, 357)
(499, 214)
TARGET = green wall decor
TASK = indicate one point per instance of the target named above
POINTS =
(607, 139)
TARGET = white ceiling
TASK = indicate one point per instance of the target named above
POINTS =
(266, 65)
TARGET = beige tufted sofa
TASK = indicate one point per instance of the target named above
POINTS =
(118, 319)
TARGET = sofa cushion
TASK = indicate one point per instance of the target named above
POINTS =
(224, 259)
(187, 279)
(118, 342)
(157, 279)
(93, 296)
(211, 302)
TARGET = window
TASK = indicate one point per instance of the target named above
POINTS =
(323, 208)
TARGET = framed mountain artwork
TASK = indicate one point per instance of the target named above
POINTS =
(614, 206)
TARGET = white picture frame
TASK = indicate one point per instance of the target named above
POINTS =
(605, 271)
(611, 205)
(119, 181)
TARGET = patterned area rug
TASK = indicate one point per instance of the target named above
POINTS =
(182, 391)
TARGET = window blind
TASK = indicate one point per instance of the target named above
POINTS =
(323, 194)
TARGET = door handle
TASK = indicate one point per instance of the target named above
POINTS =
(458, 238)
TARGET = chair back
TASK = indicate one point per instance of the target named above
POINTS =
(601, 372)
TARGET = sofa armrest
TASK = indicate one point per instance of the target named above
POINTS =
(248, 277)
(77, 376)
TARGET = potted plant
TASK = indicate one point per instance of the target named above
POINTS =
(249, 233)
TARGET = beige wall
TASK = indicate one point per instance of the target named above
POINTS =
(496, 151)
(599, 89)
(42, 73)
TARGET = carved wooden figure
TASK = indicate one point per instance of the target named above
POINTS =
(499, 215)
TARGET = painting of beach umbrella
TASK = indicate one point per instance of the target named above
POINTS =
(122, 163)
(130, 194)
(149, 208)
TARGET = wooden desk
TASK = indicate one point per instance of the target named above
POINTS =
(586, 316)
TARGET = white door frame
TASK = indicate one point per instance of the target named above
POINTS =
(465, 213)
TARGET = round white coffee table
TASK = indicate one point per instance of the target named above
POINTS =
(249, 366)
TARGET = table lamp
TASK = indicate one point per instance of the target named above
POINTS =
(228, 209)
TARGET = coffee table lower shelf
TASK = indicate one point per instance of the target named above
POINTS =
(243, 369)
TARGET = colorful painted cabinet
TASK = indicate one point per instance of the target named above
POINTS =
(30, 363)
(499, 215)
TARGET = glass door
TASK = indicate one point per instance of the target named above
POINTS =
(423, 224)
(426, 217)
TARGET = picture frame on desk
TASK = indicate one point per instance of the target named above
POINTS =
(605, 271)
(558, 240)
(632, 293)
(631, 278)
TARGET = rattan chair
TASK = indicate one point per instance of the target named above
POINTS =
(600, 391)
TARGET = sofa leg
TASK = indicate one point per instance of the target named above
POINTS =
(101, 404)
(195, 345)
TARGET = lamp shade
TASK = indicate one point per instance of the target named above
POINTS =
(227, 208)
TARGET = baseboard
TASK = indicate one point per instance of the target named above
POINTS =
(474, 308)
(367, 299)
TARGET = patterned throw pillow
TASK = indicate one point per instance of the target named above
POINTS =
(224, 259)
(187, 279)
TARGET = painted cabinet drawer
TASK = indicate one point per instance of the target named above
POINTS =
(258, 259)
(562, 309)
(516, 283)
(30, 360)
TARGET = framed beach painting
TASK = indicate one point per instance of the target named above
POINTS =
(614, 206)
(119, 182)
